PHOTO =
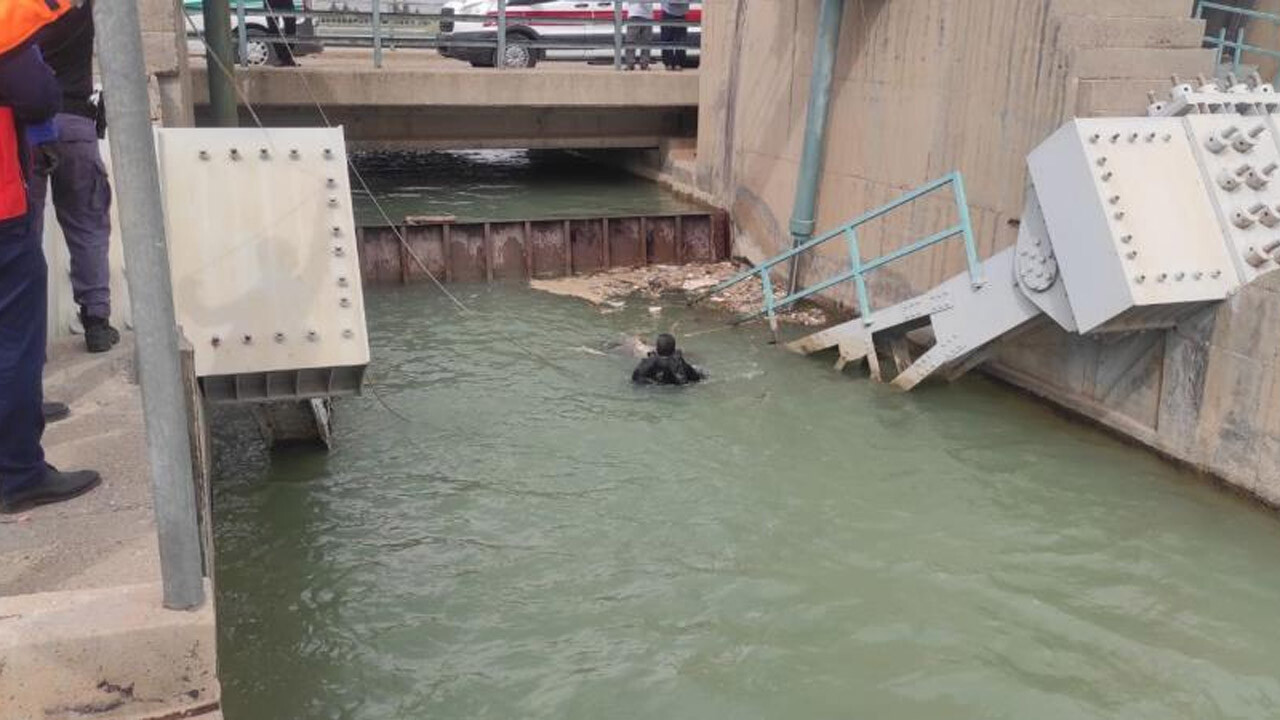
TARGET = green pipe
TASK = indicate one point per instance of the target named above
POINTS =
(217, 36)
(815, 129)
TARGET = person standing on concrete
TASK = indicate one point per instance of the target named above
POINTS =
(29, 95)
(81, 190)
(674, 58)
(639, 34)
(283, 53)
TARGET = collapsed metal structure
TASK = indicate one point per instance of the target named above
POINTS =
(1130, 224)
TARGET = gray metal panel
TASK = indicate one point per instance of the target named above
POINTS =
(284, 385)
(1130, 217)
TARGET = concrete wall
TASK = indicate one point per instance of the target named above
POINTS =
(169, 75)
(927, 86)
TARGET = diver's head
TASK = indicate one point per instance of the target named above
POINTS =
(666, 345)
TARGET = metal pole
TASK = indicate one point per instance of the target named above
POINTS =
(242, 32)
(377, 33)
(815, 131)
(124, 77)
(217, 35)
(617, 34)
(500, 55)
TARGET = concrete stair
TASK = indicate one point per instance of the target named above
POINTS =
(82, 630)
(1124, 8)
(1121, 51)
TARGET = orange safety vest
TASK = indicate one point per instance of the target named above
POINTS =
(13, 189)
(20, 19)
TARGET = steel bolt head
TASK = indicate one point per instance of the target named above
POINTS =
(1162, 277)
(1132, 254)
(235, 154)
(204, 154)
(345, 302)
(279, 337)
(1140, 279)
(294, 154)
(348, 334)
(264, 153)
(1215, 274)
(247, 339)
(313, 336)
(215, 341)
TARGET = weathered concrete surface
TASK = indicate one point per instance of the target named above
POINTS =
(79, 594)
(930, 86)
(105, 653)
(439, 104)
(164, 46)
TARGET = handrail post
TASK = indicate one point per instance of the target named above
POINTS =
(1235, 65)
(617, 34)
(242, 33)
(500, 54)
(976, 278)
(133, 155)
(377, 34)
(855, 266)
(767, 286)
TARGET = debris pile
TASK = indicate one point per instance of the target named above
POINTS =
(611, 288)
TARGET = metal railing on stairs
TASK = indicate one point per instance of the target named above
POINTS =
(859, 268)
(1240, 18)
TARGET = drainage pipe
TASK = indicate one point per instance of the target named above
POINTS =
(815, 129)
(217, 37)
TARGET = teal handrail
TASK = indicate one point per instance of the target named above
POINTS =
(1238, 46)
(858, 268)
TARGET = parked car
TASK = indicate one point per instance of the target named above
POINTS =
(526, 24)
(259, 50)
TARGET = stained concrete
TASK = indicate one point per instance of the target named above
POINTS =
(930, 86)
(81, 621)
(422, 101)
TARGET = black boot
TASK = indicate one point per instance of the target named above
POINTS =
(54, 487)
(55, 411)
(99, 336)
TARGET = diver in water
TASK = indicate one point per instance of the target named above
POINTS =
(666, 366)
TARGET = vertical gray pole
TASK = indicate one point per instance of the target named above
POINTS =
(242, 31)
(377, 33)
(617, 34)
(500, 55)
(217, 35)
(815, 130)
(133, 157)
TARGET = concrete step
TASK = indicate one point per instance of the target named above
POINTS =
(71, 371)
(1081, 31)
(1125, 8)
(1140, 63)
(111, 653)
(1114, 98)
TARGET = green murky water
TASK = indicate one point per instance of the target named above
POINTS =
(542, 540)
(480, 185)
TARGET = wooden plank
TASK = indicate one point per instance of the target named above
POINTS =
(488, 252)
(568, 249)
(645, 240)
(680, 240)
(445, 243)
(606, 256)
(528, 250)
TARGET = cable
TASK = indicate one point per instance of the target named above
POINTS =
(355, 171)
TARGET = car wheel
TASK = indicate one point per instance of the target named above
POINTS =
(518, 53)
(257, 51)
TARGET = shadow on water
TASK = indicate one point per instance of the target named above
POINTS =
(497, 185)
(549, 541)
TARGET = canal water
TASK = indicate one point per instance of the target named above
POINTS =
(509, 529)
(498, 185)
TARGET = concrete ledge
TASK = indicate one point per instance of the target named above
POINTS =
(1118, 63)
(539, 87)
(1124, 8)
(1130, 32)
(106, 653)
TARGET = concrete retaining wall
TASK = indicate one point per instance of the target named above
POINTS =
(924, 87)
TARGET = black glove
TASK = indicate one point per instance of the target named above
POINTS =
(100, 117)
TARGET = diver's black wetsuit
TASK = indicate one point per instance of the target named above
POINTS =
(665, 370)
